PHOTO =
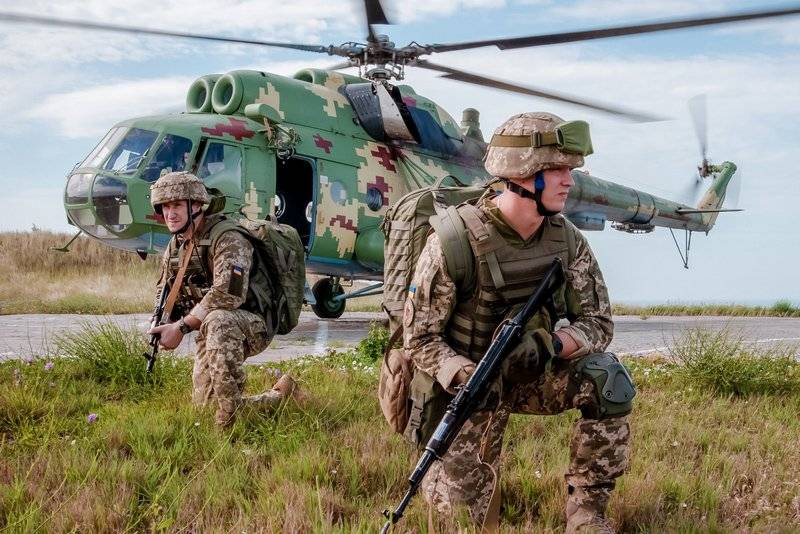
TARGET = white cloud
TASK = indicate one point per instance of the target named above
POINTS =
(91, 111)
(602, 10)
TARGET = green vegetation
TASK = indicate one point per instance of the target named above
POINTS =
(782, 308)
(723, 362)
(374, 344)
(87, 445)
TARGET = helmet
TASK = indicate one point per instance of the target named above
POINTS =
(177, 186)
(531, 142)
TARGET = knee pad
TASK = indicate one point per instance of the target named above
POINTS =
(613, 385)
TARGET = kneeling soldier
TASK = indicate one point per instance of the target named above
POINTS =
(219, 296)
(514, 236)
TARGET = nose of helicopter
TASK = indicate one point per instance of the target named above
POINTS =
(99, 205)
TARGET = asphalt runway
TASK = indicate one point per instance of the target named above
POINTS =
(24, 336)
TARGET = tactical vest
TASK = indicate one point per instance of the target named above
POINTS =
(506, 275)
(200, 271)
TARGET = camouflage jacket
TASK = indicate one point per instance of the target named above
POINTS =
(429, 307)
(229, 265)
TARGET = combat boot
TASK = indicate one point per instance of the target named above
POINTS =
(284, 388)
(586, 510)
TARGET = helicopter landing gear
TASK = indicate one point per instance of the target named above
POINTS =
(325, 292)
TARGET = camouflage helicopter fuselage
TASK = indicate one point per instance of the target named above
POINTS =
(327, 152)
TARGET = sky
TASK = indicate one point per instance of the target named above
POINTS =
(61, 90)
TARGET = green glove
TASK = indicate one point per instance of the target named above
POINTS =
(523, 362)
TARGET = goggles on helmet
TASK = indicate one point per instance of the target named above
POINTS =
(571, 137)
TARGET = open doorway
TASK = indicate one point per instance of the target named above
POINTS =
(294, 195)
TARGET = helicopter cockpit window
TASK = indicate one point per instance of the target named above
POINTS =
(130, 152)
(97, 156)
(172, 155)
(221, 161)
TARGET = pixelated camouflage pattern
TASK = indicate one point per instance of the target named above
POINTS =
(520, 162)
(226, 338)
(232, 250)
(180, 185)
(469, 473)
(329, 135)
(429, 309)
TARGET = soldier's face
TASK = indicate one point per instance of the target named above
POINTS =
(557, 183)
(175, 214)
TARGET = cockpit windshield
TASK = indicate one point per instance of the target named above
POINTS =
(130, 152)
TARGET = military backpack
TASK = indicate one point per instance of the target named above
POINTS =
(277, 280)
(406, 227)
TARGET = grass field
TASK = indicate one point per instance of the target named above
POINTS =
(90, 443)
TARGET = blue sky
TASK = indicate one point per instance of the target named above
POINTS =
(61, 90)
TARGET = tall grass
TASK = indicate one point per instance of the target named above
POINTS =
(725, 363)
(703, 461)
(781, 308)
(91, 278)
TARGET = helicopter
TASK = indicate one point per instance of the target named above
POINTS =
(328, 153)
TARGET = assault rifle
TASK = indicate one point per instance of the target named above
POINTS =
(471, 394)
(157, 320)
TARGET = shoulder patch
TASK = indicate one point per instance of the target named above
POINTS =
(235, 285)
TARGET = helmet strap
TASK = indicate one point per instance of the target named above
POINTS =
(190, 219)
(536, 195)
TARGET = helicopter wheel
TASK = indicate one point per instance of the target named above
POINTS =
(324, 290)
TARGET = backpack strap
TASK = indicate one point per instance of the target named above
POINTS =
(449, 226)
(485, 241)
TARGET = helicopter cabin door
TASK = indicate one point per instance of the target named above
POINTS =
(294, 195)
(335, 213)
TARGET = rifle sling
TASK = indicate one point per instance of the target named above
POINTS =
(176, 285)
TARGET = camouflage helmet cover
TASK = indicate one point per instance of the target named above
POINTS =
(178, 186)
(521, 162)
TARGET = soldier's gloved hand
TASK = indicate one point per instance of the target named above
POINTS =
(462, 376)
(522, 363)
(170, 335)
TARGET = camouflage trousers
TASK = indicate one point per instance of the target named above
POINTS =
(226, 338)
(468, 475)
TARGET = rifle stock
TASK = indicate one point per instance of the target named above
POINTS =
(472, 393)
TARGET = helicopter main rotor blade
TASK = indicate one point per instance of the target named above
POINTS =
(67, 23)
(375, 15)
(616, 31)
(463, 76)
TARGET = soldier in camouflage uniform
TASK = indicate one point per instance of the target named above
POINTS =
(445, 334)
(213, 300)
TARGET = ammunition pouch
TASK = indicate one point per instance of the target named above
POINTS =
(613, 385)
(427, 403)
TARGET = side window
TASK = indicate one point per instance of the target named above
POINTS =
(221, 162)
(171, 155)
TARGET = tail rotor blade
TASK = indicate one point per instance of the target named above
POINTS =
(690, 193)
(697, 108)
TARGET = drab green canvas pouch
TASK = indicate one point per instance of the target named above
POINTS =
(573, 137)
(427, 403)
